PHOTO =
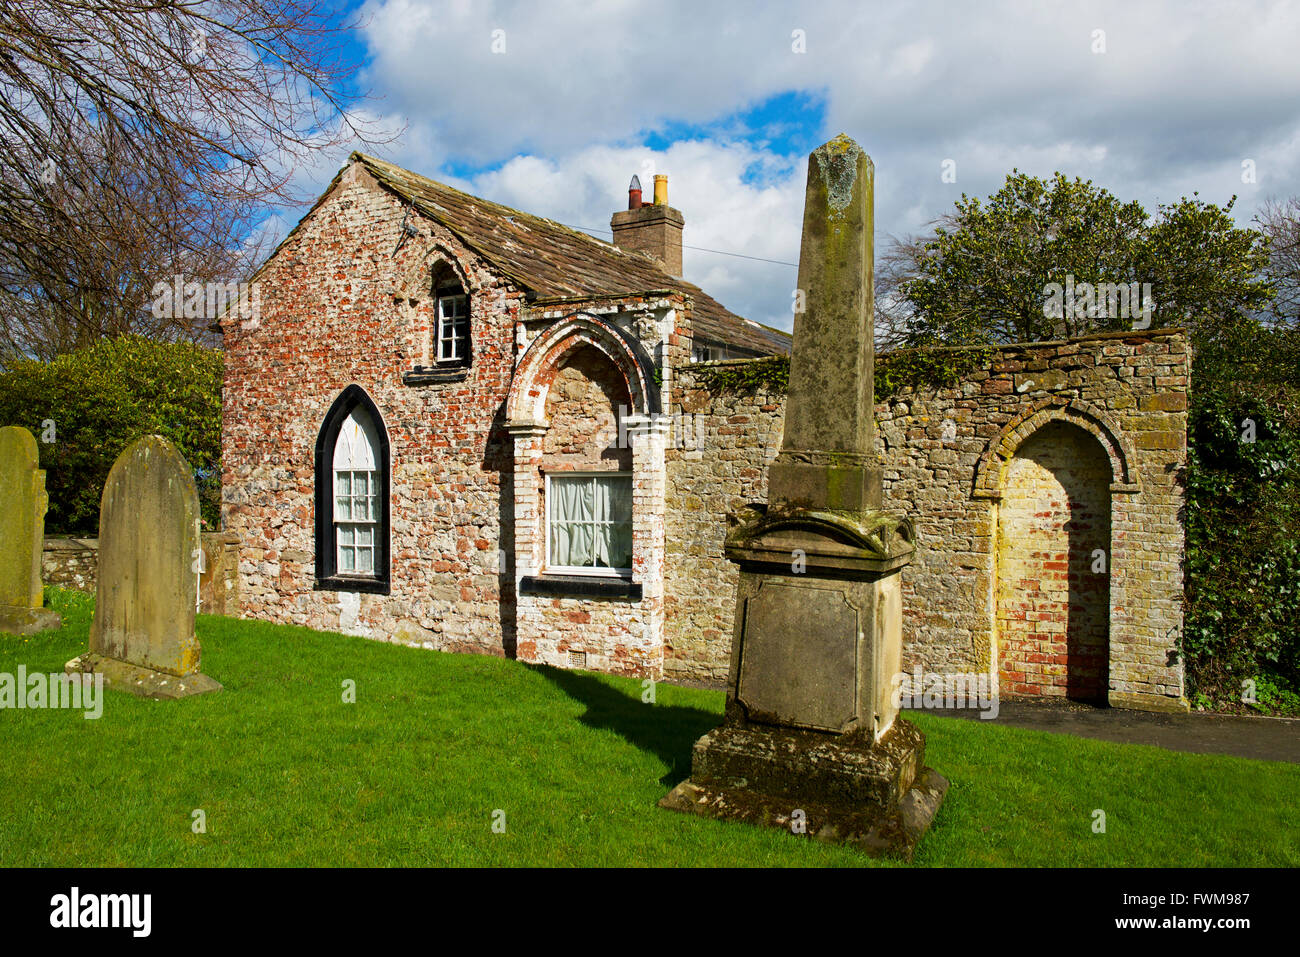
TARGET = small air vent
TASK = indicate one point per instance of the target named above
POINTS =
(577, 659)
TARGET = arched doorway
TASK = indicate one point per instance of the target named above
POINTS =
(1053, 567)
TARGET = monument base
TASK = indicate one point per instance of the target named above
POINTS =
(878, 798)
(28, 621)
(140, 681)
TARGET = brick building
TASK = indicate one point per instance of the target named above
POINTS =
(445, 427)
(459, 426)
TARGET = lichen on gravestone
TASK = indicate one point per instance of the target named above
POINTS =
(142, 636)
(23, 503)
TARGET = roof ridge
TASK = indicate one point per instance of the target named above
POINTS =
(550, 259)
(607, 247)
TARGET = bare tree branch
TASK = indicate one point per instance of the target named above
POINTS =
(145, 138)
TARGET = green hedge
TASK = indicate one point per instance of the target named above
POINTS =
(86, 406)
(1242, 585)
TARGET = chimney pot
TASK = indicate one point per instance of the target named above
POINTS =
(654, 229)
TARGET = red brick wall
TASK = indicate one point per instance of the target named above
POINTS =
(342, 304)
(1053, 608)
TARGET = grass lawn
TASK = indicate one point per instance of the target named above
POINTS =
(288, 774)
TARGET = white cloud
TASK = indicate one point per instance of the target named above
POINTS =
(705, 181)
(1183, 93)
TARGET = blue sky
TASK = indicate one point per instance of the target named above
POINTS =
(552, 106)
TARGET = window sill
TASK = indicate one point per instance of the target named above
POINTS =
(580, 586)
(372, 586)
(432, 375)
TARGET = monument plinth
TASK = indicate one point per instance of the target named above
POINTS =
(812, 740)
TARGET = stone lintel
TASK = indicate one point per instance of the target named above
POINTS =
(527, 429)
(142, 682)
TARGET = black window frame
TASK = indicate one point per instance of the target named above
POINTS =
(327, 575)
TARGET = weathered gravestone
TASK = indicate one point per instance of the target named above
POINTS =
(23, 502)
(812, 740)
(142, 637)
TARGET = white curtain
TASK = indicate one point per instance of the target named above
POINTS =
(613, 517)
(571, 533)
(591, 521)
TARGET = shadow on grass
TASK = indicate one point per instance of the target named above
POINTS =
(666, 731)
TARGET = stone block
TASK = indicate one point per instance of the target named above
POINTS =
(875, 796)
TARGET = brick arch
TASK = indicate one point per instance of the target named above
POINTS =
(526, 404)
(1114, 441)
(414, 281)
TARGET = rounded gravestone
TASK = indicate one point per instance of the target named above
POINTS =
(23, 502)
(142, 636)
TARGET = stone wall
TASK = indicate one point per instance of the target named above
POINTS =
(70, 562)
(74, 563)
(717, 463)
(946, 454)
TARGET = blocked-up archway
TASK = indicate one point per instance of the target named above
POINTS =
(1053, 566)
(589, 500)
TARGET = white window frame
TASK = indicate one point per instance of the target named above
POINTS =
(451, 323)
(373, 507)
(546, 525)
(354, 524)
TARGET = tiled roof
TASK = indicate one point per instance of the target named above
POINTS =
(554, 261)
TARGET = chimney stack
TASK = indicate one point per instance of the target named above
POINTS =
(655, 229)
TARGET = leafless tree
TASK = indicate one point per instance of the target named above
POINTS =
(1280, 221)
(144, 138)
(895, 264)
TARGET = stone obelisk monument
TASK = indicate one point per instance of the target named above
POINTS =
(812, 741)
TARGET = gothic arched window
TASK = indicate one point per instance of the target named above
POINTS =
(352, 515)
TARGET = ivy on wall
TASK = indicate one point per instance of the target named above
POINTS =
(901, 369)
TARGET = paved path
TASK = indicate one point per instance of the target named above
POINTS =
(1265, 739)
